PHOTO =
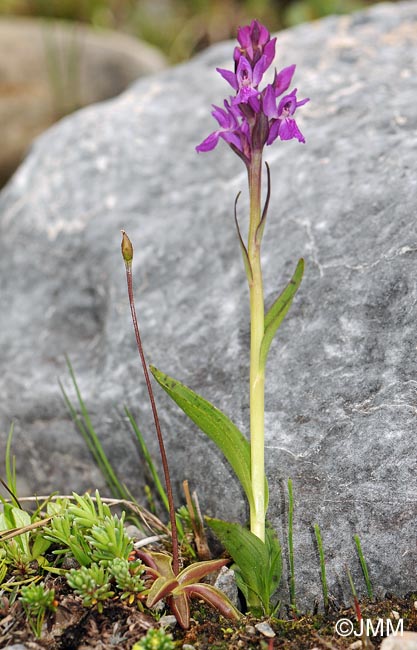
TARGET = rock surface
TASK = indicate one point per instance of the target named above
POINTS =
(50, 68)
(405, 641)
(341, 378)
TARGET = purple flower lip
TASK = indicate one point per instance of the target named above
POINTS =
(229, 129)
(252, 118)
(245, 80)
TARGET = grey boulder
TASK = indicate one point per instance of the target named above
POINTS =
(49, 68)
(341, 377)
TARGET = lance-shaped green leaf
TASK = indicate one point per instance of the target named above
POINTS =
(258, 570)
(279, 309)
(215, 425)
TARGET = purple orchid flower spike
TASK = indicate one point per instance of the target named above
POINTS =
(252, 119)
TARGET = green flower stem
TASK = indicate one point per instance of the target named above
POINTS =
(257, 370)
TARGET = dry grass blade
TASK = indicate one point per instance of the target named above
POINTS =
(8, 534)
(150, 520)
(197, 524)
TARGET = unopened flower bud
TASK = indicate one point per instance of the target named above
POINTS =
(127, 248)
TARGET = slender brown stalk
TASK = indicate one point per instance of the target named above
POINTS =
(127, 252)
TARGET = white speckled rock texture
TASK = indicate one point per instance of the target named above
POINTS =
(341, 378)
(48, 68)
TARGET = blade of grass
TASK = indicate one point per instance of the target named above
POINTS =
(89, 434)
(10, 465)
(322, 568)
(351, 583)
(291, 544)
(364, 567)
(152, 468)
(13, 499)
(148, 459)
(197, 524)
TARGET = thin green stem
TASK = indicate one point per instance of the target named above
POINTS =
(257, 371)
(322, 567)
(291, 543)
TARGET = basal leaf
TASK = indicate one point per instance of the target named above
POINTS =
(214, 597)
(20, 518)
(180, 607)
(279, 309)
(215, 425)
(199, 570)
(162, 563)
(161, 588)
(275, 558)
(40, 546)
(252, 558)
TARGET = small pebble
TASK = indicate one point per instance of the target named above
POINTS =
(265, 629)
(188, 646)
(405, 641)
(70, 563)
(226, 582)
(134, 532)
(415, 604)
(167, 621)
(356, 644)
(250, 629)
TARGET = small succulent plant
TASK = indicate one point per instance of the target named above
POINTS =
(155, 640)
(37, 600)
(92, 583)
(128, 578)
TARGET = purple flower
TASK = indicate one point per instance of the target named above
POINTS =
(282, 124)
(232, 130)
(255, 42)
(246, 80)
(252, 118)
